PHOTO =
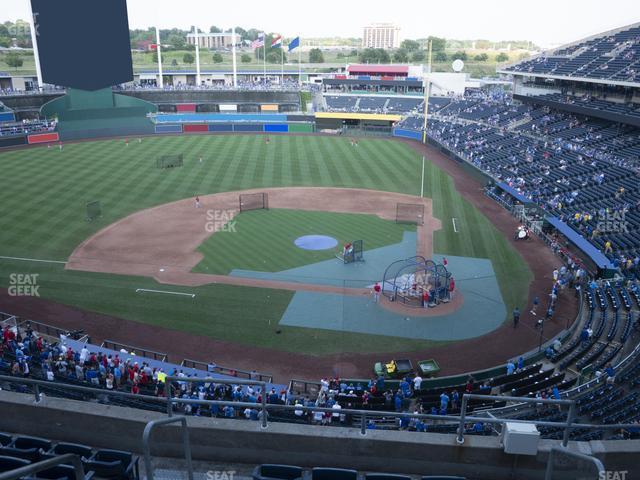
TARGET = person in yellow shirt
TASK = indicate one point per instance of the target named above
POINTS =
(607, 247)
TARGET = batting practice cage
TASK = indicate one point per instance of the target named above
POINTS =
(169, 161)
(94, 210)
(407, 281)
(254, 201)
(410, 213)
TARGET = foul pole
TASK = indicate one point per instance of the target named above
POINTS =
(427, 88)
(158, 50)
(34, 41)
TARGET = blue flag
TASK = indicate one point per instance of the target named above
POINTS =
(295, 43)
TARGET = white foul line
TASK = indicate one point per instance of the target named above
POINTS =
(455, 229)
(422, 182)
(33, 260)
(192, 295)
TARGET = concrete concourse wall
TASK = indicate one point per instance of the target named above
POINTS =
(238, 441)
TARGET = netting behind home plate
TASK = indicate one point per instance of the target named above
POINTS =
(254, 201)
(410, 213)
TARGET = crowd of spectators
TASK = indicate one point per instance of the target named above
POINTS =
(27, 127)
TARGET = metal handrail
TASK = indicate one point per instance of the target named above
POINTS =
(263, 377)
(580, 456)
(146, 447)
(140, 352)
(363, 413)
(472, 396)
(44, 465)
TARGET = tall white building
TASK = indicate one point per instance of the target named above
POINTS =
(381, 35)
(213, 40)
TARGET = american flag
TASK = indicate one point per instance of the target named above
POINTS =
(258, 42)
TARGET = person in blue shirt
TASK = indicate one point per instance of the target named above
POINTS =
(520, 363)
(404, 422)
(478, 427)
(405, 387)
(420, 426)
(397, 400)
(444, 401)
(510, 367)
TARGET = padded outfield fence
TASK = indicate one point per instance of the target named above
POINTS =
(410, 213)
(254, 201)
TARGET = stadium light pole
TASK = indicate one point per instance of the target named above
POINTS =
(233, 57)
(158, 50)
(427, 88)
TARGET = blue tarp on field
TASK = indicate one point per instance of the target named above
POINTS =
(582, 243)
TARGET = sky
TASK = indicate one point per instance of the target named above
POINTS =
(545, 22)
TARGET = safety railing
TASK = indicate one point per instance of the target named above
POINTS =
(141, 352)
(232, 372)
(28, 470)
(146, 444)
(364, 415)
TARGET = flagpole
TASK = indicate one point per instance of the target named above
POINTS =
(233, 50)
(158, 50)
(282, 63)
(299, 66)
(264, 59)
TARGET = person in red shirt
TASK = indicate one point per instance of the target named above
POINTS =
(425, 298)
(452, 286)
(135, 389)
(376, 292)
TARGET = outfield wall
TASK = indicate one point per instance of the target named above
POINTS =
(231, 127)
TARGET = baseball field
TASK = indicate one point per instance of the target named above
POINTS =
(45, 191)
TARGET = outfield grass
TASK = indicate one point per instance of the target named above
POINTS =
(263, 240)
(44, 192)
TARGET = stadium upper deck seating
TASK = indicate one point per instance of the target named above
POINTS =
(611, 56)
